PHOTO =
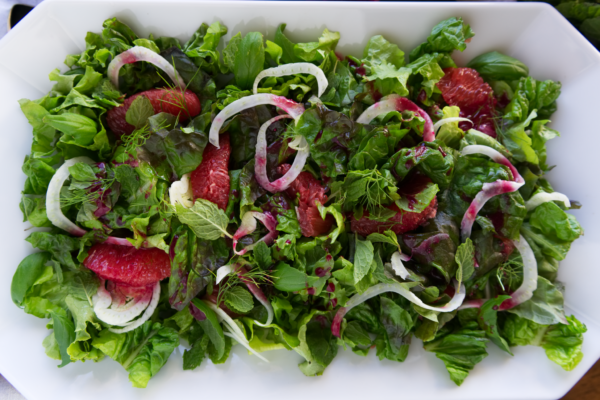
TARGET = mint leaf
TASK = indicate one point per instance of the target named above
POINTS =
(82, 172)
(262, 255)
(465, 258)
(363, 257)
(239, 299)
(205, 218)
(139, 111)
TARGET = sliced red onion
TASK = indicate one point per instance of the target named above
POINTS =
(542, 197)
(139, 53)
(489, 190)
(453, 304)
(147, 314)
(293, 69)
(249, 225)
(260, 166)
(397, 265)
(53, 210)
(234, 330)
(260, 296)
(294, 109)
(525, 291)
(441, 122)
(107, 311)
(393, 102)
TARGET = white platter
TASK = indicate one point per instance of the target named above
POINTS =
(532, 32)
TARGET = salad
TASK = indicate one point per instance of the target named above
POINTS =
(281, 195)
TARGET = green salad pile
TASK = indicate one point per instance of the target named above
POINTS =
(281, 195)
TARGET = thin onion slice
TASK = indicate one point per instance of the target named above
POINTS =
(260, 166)
(453, 304)
(293, 69)
(234, 330)
(294, 109)
(542, 197)
(259, 294)
(393, 102)
(525, 291)
(139, 53)
(53, 210)
(443, 121)
(147, 314)
(398, 266)
(488, 190)
(103, 301)
(249, 225)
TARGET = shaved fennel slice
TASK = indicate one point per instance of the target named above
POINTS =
(495, 155)
(542, 197)
(260, 166)
(53, 210)
(530, 274)
(181, 192)
(147, 314)
(293, 69)
(223, 271)
(299, 143)
(453, 304)
(139, 53)
(488, 190)
(116, 316)
(441, 122)
(259, 295)
(294, 109)
(398, 266)
(249, 225)
(525, 291)
(234, 330)
(394, 102)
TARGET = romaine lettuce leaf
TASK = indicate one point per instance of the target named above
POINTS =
(460, 350)
(142, 352)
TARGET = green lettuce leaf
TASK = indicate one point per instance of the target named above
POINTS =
(460, 351)
(451, 34)
(142, 352)
(546, 307)
(249, 60)
(496, 66)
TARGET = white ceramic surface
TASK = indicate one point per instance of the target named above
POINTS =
(533, 32)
